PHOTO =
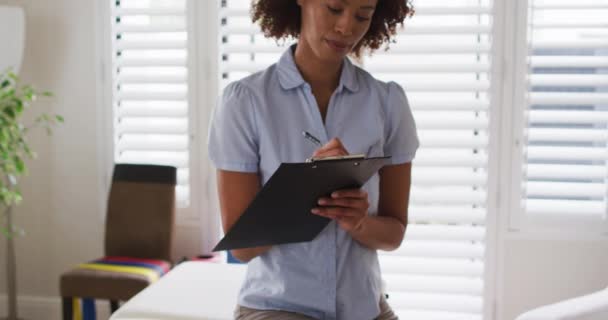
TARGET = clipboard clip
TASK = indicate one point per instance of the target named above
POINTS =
(360, 156)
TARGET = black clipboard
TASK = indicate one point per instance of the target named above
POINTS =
(280, 212)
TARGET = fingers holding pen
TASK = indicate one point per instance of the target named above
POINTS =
(332, 148)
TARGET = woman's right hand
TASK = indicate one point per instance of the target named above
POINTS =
(331, 149)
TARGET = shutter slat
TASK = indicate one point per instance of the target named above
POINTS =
(569, 80)
(439, 249)
(149, 44)
(439, 86)
(175, 27)
(568, 98)
(567, 135)
(452, 139)
(153, 142)
(564, 189)
(443, 214)
(445, 233)
(435, 315)
(568, 44)
(150, 62)
(567, 153)
(567, 116)
(393, 264)
(569, 25)
(431, 284)
(578, 5)
(580, 208)
(169, 11)
(439, 302)
(447, 195)
(130, 79)
(155, 111)
(149, 96)
(448, 177)
(438, 103)
(563, 172)
(447, 157)
(451, 120)
(568, 61)
(153, 125)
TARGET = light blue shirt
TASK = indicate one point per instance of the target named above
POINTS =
(258, 125)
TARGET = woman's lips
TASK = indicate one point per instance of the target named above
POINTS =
(337, 45)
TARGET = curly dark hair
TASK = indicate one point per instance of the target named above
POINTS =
(280, 19)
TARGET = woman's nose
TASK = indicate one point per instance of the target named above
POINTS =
(345, 24)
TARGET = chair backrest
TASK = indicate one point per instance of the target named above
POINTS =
(141, 211)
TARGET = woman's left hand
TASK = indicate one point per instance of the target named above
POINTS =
(348, 207)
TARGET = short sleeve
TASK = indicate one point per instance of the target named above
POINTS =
(232, 140)
(400, 128)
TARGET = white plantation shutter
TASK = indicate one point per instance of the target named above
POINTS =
(243, 48)
(565, 134)
(150, 86)
(442, 59)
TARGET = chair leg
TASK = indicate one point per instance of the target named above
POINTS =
(67, 308)
(113, 305)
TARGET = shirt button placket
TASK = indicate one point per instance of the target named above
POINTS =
(316, 114)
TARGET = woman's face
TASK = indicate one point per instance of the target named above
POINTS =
(332, 28)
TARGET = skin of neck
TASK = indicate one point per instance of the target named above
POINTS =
(317, 72)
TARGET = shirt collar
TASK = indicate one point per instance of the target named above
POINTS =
(290, 77)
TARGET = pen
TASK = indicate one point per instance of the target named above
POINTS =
(312, 138)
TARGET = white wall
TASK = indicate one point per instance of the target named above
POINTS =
(61, 211)
(538, 272)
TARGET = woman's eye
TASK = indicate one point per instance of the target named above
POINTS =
(334, 10)
(362, 19)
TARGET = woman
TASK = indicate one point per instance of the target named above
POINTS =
(259, 125)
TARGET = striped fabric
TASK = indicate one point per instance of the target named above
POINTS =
(84, 308)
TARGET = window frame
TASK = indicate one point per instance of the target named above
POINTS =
(198, 88)
(554, 226)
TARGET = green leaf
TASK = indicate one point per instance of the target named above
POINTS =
(59, 118)
(5, 232)
(17, 197)
(19, 165)
(19, 106)
(10, 113)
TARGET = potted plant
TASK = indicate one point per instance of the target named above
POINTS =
(15, 99)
